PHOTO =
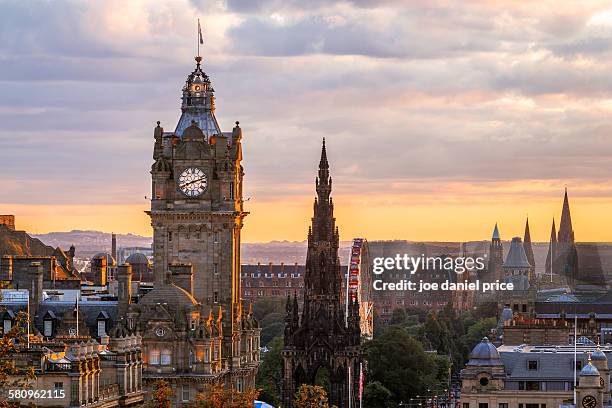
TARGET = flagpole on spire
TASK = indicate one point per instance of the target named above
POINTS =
(200, 37)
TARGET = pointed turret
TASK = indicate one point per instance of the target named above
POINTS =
(527, 244)
(323, 182)
(496, 257)
(495, 233)
(566, 232)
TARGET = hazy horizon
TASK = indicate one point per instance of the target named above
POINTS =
(441, 119)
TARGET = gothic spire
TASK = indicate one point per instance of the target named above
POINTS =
(495, 233)
(566, 233)
(322, 265)
(527, 244)
(323, 180)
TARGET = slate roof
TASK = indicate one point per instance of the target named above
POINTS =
(517, 258)
(554, 363)
(88, 312)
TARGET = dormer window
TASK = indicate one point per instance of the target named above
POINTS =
(102, 323)
(49, 320)
(7, 321)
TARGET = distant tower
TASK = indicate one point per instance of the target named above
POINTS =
(527, 245)
(114, 246)
(517, 267)
(496, 257)
(552, 249)
(566, 256)
(566, 232)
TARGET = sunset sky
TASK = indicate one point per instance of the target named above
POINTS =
(441, 117)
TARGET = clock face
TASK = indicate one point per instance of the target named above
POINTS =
(589, 402)
(72, 331)
(192, 182)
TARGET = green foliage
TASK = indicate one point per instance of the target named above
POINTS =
(398, 316)
(453, 335)
(416, 351)
(265, 306)
(376, 395)
(399, 362)
(269, 375)
(270, 313)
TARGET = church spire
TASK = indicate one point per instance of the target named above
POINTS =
(566, 233)
(495, 233)
(527, 244)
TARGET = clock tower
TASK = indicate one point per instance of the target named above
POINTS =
(196, 207)
(193, 323)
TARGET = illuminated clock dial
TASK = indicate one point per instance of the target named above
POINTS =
(192, 182)
(589, 402)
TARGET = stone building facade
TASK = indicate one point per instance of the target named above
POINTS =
(195, 329)
(82, 372)
(535, 377)
(272, 280)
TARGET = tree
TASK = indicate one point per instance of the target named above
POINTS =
(218, 397)
(376, 395)
(398, 316)
(13, 376)
(311, 396)
(269, 375)
(399, 362)
(270, 313)
(161, 396)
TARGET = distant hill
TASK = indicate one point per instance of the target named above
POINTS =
(89, 243)
(20, 243)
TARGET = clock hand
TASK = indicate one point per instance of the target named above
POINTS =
(191, 182)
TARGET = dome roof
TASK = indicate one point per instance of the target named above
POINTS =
(137, 258)
(171, 294)
(110, 261)
(193, 132)
(507, 314)
(599, 355)
(485, 354)
(589, 370)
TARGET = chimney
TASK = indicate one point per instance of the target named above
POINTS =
(182, 276)
(35, 287)
(124, 295)
(6, 268)
(71, 253)
(114, 246)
